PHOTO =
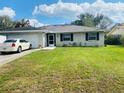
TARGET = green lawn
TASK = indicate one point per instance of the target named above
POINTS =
(66, 70)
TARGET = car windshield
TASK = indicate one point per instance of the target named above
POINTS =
(10, 41)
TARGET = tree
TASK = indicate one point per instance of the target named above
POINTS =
(90, 20)
(5, 23)
(98, 19)
(85, 20)
(21, 24)
(77, 22)
(104, 23)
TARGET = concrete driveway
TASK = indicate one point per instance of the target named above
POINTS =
(6, 58)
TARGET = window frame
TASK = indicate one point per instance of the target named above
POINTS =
(92, 36)
(66, 37)
(10, 41)
(23, 41)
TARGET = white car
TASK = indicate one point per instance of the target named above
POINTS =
(14, 45)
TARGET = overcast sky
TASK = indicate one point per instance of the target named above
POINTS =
(43, 12)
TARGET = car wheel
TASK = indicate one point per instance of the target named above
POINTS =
(19, 49)
(30, 47)
(2, 53)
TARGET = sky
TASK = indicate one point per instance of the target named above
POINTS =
(50, 12)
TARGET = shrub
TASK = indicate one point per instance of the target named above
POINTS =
(112, 40)
(122, 40)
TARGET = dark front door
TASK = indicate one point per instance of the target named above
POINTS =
(51, 40)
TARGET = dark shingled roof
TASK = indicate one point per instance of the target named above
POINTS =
(56, 29)
(69, 28)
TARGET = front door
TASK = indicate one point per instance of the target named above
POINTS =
(51, 40)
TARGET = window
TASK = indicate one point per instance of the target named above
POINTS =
(67, 37)
(23, 41)
(10, 41)
(92, 36)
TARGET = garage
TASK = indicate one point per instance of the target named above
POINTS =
(2, 38)
(34, 37)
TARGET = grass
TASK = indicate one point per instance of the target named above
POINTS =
(66, 70)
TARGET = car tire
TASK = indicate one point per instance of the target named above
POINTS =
(19, 49)
(2, 53)
(30, 47)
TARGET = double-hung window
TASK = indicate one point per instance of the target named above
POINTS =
(92, 36)
(67, 37)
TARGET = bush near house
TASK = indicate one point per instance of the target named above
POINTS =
(122, 40)
(113, 40)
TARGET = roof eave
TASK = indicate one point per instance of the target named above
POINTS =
(74, 31)
(23, 31)
(47, 31)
